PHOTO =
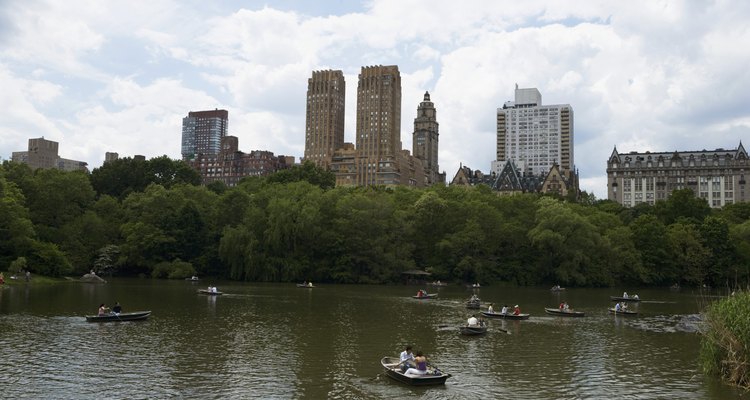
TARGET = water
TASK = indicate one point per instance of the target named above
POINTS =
(283, 342)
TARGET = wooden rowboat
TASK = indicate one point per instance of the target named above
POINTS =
(304, 286)
(569, 313)
(206, 292)
(434, 376)
(111, 317)
(622, 312)
(426, 296)
(505, 316)
(619, 298)
(473, 304)
(472, 330)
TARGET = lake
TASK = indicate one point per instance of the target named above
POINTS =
(277, 341)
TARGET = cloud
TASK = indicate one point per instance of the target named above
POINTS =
(119, 76)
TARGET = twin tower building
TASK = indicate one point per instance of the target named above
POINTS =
(378, 157)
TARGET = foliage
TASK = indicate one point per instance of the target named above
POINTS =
(176, 269)
(18, 265)
(307, 172)
(725, 344)
(140, 217)
(119, 178)
(105, 261)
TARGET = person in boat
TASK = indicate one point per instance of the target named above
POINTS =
(504, 310)
(624, 295)
(562, 306)
(102, 310)
(618, 307)
(421, 368)
(635, 296)
(117, 309)
(472, 321)
(406, 359)
(309, 284)
(516, 310)
(566, 307)
(490, 309)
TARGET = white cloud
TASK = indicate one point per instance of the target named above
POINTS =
(650, 75)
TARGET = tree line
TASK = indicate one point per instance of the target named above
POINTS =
(152, 217)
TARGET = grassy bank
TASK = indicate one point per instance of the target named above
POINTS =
(725, 347)
(35, 279)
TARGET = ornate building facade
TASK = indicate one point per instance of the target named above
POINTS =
(425, 140)
(377, 158)
(718, 176)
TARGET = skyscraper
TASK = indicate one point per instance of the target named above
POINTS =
(202, 132)
(534, 136)
(324, 121)
(378, 133)
(425, 139)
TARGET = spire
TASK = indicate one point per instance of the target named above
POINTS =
(426, 96)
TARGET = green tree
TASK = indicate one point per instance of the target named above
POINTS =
(307, 172)
(650, 238)
(682, 204)
(690, 254)
(16, 229)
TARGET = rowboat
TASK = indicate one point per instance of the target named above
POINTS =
(506, 315)
(433, 376)
(569, 313)
(622, 312)
(426, 296)
(209, 293)
(305, 286)
(111, 317)
(472, 330)
(619, 298)
(473, 304)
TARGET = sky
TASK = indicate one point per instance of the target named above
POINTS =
(119, 76)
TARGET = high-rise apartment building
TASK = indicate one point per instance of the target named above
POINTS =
(202, 132)
(378, 135)
(324, 121)
(718, 176)
(534, 136)
(425, 140)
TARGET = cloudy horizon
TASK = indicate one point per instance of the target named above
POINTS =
(119, 76)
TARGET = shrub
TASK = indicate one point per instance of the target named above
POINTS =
(176, 269)
(725, 346)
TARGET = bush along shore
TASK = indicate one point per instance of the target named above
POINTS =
(725, 348)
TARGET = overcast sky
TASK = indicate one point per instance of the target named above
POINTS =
(119, 76)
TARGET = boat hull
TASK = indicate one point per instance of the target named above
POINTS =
(122, 317)
(505, 316)
(426, 297)
(391, 368)
(628, 299)
(555, 311)
(472, 330)
(206, 292)
(621, 312)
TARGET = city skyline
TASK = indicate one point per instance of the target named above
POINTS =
(120, 76)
